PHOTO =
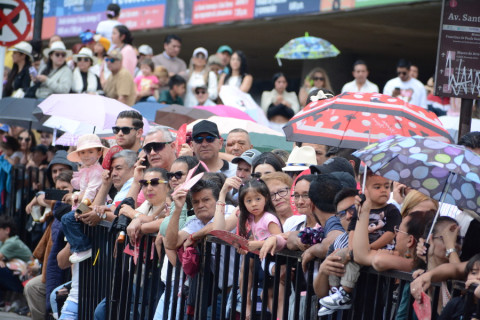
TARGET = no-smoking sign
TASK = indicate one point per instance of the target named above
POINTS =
(15, 22)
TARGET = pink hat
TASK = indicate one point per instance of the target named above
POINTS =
(87, 141)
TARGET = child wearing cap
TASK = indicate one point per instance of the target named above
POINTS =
(87, 180)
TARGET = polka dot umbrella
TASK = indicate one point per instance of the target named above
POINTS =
(352, 120)
(445, 172)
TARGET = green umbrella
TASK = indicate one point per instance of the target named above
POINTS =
(267, 142)
(307, 48)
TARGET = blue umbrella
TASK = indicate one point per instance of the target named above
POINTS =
(307, 47)
(149, 109)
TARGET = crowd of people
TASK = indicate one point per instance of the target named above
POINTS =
(242, 190)
(107, 62)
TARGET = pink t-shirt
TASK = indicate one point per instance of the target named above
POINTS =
(129, 58)
(260, 229)
(145, 83)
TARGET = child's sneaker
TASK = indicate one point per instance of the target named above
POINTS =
(338, 300)
(77, 257)
(324, 311)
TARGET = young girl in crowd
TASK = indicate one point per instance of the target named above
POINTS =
(257, 219)
(457, 307)
(147, 82)
(88, 180)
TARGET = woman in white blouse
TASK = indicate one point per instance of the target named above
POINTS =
(279, 95)
(199, 74)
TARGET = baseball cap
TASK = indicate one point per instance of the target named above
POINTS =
(115, 54)
(200, 50)
(248, 156)
(145, 49)
(224, 48)
(335, 164)
(205, 126)
(4, 128)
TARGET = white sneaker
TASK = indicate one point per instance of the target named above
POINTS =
(338, 300)
(77, 257)
(324, 311)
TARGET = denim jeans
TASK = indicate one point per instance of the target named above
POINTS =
(69, 311)
(101, 310)
(73, 230)
(161, 306)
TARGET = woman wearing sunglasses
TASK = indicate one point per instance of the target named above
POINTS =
(84, 80)
(56, 76)
(27, 141)
(155, 189)
(316, 79)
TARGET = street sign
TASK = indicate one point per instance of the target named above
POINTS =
(458, 56)
(15, 22)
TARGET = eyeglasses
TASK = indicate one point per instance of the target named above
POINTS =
(153, 182)
(209, 139)
(256, 175)
(60, 54)
(178, 175)
(281, 193)
(200, 91)
(297, 196)
(402, 73)
(458, 241)
(397, 230)
(125, 130)
(111, 60)
(23, 139)
(155, 146)
(351, 210)
(318, 79)
(80, 59)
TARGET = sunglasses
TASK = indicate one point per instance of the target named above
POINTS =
(178, 175)
(351, 210)
(80, 59)
(125, 130)
(60, 54)
(200, 140)
(111, 60)
(200, 91)
(153, 182)
(402, 73)
(318, 79)
(22, 139)
(155, 146)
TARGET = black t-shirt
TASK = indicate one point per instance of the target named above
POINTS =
(380, 221)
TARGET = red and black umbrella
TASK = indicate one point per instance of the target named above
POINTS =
(352, 120)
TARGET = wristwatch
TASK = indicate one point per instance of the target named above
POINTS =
(449, 252)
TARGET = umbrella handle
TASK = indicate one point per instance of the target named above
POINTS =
(442, 199)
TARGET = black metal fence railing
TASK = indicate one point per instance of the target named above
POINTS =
(132, 290)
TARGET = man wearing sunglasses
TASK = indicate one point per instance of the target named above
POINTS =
(206, 144)
(405, 87)
(119, 85)
(128, 130)
(160, 148)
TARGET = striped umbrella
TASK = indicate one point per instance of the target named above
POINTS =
(353, 120)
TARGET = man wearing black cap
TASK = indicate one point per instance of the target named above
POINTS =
(322, 194)
(206, 144)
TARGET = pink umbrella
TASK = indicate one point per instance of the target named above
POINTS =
(226, 111)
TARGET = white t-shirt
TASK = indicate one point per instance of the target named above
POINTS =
(105, 28)
(366, 88)
(411, 91)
